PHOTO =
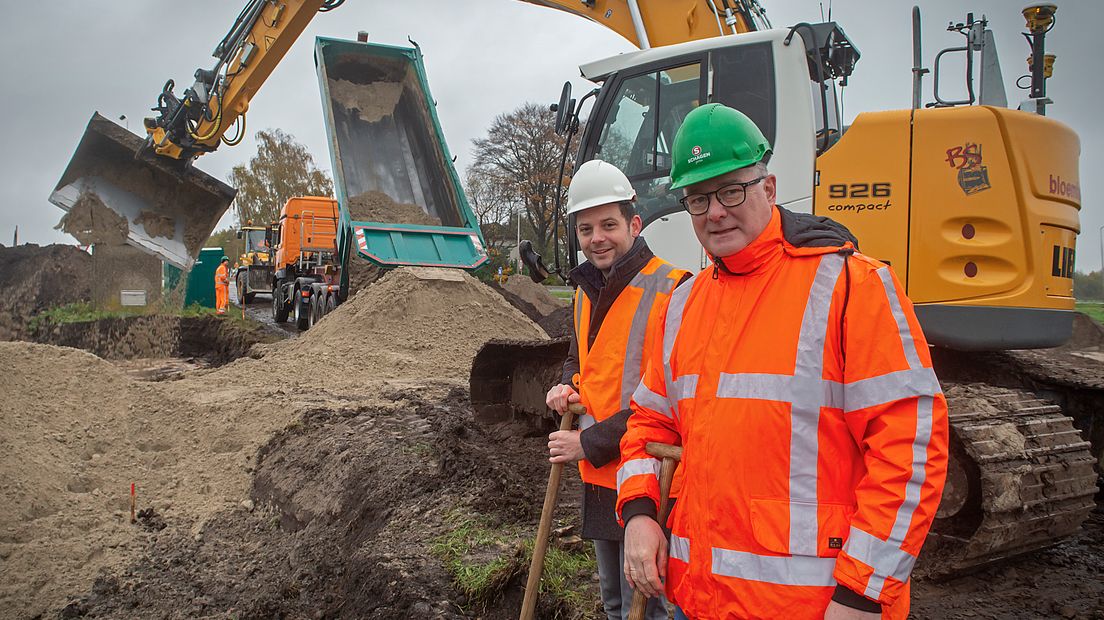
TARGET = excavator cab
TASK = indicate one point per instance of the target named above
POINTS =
(115, 193)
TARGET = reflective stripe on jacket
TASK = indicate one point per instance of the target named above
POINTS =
(814, 433)
(610, 368)
(222, 275)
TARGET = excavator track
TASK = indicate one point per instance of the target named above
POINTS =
(1021, 478)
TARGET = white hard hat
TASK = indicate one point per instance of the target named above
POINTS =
(598, 183)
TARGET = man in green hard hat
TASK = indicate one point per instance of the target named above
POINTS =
(793, 373)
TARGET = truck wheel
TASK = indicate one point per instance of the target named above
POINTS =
(302, 315)
(316, 309)
(331, 302)
(279, 307)
(239, 286)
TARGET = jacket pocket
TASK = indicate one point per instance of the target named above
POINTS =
(770, 525)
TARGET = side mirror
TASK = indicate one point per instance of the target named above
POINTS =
(268, 236)
(537, 271)
(564, 110)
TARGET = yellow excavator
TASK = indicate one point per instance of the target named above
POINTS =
(975, 205)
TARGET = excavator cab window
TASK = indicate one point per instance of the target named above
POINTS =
(636, 136)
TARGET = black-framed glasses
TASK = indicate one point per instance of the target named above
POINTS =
(731, 195)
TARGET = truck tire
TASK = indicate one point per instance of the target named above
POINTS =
(279, 306)
(302, 316)
(317, 308)
(331, 302)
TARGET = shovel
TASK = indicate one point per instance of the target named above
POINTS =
(671, 456)
(540, 546)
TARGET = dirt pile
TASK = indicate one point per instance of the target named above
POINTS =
(376, 206)
(330, 533)
(36, 278)
(536, 294)
(77, 432)
(408, 324)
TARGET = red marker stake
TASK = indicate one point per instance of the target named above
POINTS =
(132, 503)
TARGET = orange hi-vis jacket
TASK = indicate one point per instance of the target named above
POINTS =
(814, 433)
(222, 275)
(610, 369)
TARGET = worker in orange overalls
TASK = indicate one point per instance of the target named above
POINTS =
(795, 376)
(222, 286)
(622, 287)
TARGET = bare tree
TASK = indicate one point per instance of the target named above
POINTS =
(519, 162)
(493, 209)
(281, 169)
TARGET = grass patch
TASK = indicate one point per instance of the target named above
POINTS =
(483, 560)
(1094, 309)
(84, 312)
(562, 295)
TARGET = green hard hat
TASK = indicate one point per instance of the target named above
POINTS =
(713, 140)
(225, 259)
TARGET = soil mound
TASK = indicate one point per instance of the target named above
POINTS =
(536, 294)
(36, 278)
(329, 533)
(1088, 335)
(77, 432)
(408, 324)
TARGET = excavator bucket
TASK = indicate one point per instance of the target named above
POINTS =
(510, 378)
(115, 194)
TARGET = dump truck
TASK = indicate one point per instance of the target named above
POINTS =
(306, 263)
(399, 198)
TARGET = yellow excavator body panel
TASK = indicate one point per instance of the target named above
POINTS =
(976, 208)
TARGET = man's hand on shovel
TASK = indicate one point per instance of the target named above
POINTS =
(645, 544)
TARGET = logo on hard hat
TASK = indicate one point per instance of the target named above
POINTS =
(697, 154)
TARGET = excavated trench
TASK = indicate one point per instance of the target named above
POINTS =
(204, 341)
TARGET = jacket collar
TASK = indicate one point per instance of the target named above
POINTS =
(757, 255)
(796, 234)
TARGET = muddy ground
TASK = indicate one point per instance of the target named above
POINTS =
(318, 478)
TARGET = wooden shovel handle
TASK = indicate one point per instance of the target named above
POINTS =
(671, 456)
(540, 545)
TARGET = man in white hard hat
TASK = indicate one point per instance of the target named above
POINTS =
(622, 287)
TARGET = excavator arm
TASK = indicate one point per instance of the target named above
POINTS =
(197, 122)
(655, 23)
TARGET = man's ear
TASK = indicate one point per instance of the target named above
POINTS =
(770, 186)
(635, 226)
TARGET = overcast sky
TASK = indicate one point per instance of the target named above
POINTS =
(61, 60)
